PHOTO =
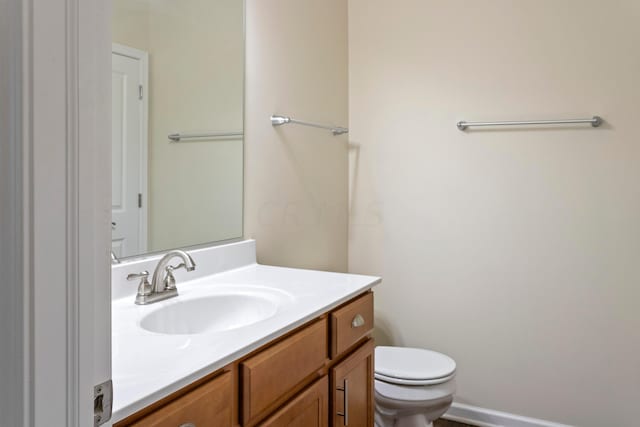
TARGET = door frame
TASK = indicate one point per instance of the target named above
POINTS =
(59, 134)
(143, 217)
(14, 359)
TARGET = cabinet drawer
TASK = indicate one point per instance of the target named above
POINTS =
(274, 374)
(308, 409)
(207, 406)
(351, 323)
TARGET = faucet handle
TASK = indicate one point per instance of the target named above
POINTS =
(142, 275)
(169, 278)
(144, 288)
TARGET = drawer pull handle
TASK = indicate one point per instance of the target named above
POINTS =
(188, 425)
(357, 321)
(345, 402)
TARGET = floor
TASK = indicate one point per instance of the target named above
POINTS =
(446, 423)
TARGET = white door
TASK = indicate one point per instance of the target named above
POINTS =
(129, 151)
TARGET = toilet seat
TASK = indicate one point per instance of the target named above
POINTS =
(412, 366)
(403, 381)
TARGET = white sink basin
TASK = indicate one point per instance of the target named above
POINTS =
(207, 314)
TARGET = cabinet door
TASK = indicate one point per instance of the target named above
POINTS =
(352, 389)
(309, 409)
(207, 406)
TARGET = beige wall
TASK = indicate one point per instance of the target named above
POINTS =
(130, 23)
(196, 60)
(514, 251)
(296, 177)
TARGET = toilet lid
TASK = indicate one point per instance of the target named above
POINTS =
(412, 366)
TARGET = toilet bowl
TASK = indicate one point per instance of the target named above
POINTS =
(413, 386)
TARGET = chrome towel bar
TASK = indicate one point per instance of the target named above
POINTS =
(177, 137)
(281, 120)
(595, 121)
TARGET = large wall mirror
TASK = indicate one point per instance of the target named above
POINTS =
(177, 123)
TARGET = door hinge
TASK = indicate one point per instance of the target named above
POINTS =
(139, 200)
(102, 401)
(140, 91)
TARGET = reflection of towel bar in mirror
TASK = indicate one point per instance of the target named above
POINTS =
(281, 120)
(177, 137)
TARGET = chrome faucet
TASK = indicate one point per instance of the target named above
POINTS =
(163, 283)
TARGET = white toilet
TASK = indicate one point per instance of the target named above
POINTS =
(413, 386)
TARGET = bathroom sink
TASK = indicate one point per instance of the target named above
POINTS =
(208, 314)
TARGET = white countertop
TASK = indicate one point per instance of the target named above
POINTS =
(148, 366)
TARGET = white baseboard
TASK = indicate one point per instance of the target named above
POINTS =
(482, 417)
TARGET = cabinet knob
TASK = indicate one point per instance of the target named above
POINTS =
(357, 321)
(188, 425)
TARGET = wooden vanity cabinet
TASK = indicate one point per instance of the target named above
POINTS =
(318, 375)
